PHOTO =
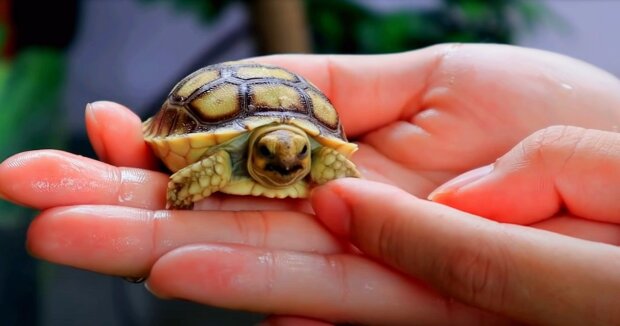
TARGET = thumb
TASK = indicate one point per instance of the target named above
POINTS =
(503, 268)
(555, 168)
(415, 236)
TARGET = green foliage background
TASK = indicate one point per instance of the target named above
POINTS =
(30, 118)
(345, 26)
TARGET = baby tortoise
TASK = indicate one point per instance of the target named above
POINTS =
(245, 128)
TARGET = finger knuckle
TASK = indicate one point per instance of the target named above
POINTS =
(598, 144)
(477, 273)
(391, 240)
(552, 145)
(252, 228)
(337, 267)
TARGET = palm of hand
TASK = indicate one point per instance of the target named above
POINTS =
(420, 119)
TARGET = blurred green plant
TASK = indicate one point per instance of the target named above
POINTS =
(347, 26)
(29, 101)
(29, 96)
(31, 80)
(32, 76)
(30, 118)
(4, 66)
(206, 10)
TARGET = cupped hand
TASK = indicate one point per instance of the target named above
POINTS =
(420, 118)
(561, 178)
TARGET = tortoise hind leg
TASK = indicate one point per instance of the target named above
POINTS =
(329, 164)
(198, 180)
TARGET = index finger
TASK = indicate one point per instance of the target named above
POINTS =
(115, 133)
(561, 168)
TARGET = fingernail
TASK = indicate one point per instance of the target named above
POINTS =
(90, 109)
(96, 142)
(148, 288)
(460, 181)
(96, 104)
(93, 107)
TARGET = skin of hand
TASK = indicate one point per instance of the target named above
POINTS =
(443, 110)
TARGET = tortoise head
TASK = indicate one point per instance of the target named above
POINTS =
(279, 155)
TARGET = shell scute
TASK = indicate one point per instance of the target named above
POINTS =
(179, 146)
(259, 72)
(323, 110)
(195, 81)
(270, 97)
(175, 161)
(184, 124)
(217, 104)
(166, 122)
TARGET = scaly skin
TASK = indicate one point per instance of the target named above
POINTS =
(198, 180)
(329, 164)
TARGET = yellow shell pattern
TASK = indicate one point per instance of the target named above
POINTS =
(219, 102)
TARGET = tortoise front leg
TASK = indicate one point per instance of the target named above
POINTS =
(198, 180)
(329, 164)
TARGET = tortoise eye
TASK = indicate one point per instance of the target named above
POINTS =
(264, 151)
(304, 151)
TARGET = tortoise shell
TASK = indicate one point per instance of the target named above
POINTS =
(217, 103)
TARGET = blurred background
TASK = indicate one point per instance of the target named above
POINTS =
(56, 56)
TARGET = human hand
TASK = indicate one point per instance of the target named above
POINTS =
(566, 176)
(561, 178)
(426, 104)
